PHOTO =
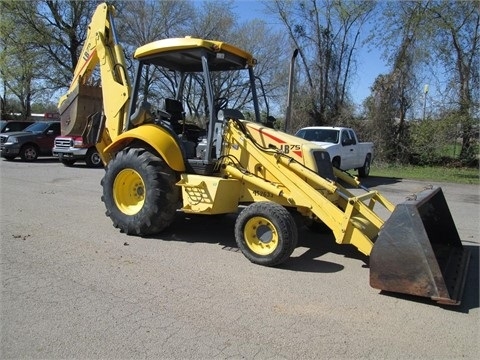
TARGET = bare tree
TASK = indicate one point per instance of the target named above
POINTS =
(145, 21)
(326, 33)
(266, 44)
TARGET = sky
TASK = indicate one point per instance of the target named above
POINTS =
(370, 63)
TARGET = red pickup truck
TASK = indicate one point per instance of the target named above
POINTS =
(34, 141)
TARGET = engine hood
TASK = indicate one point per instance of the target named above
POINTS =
(324, 145)
(18, 134)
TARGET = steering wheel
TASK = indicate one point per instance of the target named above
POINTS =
(221, 103)
(163, 114)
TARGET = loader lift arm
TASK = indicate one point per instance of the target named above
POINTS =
(351, 220)
(416, 251)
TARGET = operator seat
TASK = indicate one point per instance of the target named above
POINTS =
(177, 115)
(177, 118)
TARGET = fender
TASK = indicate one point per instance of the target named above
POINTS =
(155, 136)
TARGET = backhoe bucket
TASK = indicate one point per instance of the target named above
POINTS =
(418, 251)
(84, 101)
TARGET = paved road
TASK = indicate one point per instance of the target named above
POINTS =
(72, 286)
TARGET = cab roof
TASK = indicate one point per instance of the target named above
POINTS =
(185, 55)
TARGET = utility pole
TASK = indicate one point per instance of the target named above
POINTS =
(425, 92)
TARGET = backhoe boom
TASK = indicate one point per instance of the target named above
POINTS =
(101, 49)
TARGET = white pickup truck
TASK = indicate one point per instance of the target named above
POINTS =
(70, 149)
(342, 144)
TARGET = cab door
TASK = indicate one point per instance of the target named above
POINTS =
(46, 140)
(359, 157)
(348, 151)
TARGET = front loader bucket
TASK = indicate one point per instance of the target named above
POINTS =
(418, 251)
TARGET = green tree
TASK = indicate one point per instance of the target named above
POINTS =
(443, 37)
(395, 92)
(20, 59)
(457, 47)
(380, 113)
(40, 43)
(145, 21)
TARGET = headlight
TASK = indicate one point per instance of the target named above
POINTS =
(78, 142)
(11, 140)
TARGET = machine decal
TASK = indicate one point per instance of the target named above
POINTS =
(84, 64)
(265, 194)
(284, 147)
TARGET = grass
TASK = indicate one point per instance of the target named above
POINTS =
(433, 173)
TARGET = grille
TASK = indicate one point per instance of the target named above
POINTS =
(3, 139)
(63, 143)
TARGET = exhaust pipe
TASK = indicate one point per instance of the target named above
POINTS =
(288, 113)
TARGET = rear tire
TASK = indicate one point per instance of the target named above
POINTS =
(139, 192)
(336, 163)
(365, 170)
(266, 233)
(93, 159)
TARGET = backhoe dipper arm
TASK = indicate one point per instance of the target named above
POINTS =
(101, 49)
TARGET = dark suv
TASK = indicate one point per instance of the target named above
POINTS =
(36, 140)
(12, 125)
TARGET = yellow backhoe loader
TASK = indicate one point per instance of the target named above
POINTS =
(157, 164)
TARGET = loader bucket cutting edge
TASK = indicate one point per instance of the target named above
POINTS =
(418, 251)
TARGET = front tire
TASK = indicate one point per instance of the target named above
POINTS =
(93, 159)
(139, 192)
(29, 153)
(266, 233)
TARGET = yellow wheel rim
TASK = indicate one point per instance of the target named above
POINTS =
(261, 236)
(129, 191)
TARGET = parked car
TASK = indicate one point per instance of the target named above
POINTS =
(13, 125)
(342, 144)
(70, 149)
(34, 141)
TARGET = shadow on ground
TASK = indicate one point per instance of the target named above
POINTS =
(40, 160)
(470, 299)
(219, 230)
(373, 181)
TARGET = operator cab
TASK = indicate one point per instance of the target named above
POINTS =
(168, 67)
